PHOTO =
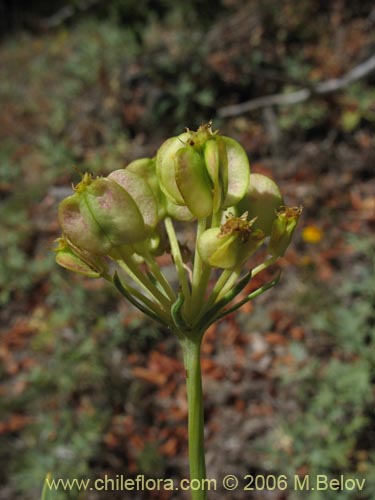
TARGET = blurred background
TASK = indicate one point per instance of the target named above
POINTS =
(89, 386)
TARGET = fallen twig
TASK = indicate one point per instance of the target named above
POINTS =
(301, 95)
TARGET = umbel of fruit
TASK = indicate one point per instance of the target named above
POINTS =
(114, 227)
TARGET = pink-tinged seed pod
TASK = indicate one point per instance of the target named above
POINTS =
(262, 199)
(78, 223)
(100, 216)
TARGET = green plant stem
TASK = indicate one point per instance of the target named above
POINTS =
(191, 350)
(203, 284)
(147, 302)
(136, 274)
(201, 273)
(228, 279)
(225, 275)
(177, 257)
(229, 283)
(159, 316)
(263, 266)
(160, 277)
(239, 304)
(216, 219)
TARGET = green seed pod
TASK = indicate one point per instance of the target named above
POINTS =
(282, 230)
(218, 250)
(146, 168)
(202, 170)
(79, 261)
(230, 245)
(193, 182)
(248, 248)
(165, 167)
(101, 215)
(178, 212)
(262, 199)
(223, 167)
(238, 171)
(141, 193)
(216, 161)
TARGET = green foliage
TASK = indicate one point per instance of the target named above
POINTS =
(51, 135)
(14, 249)
(329, 432)
(357, 107)
(62, 97)
(66, 389)
(303, 116)
(150, 461)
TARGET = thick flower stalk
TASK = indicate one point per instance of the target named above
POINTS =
(115, 227)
